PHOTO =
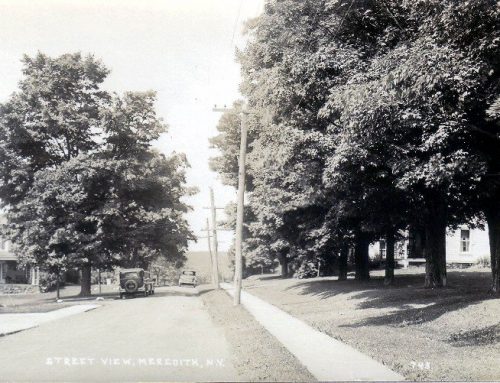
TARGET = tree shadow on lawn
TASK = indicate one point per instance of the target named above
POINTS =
(478, 337)
(412, 303)
(270, 277)
(324, 289)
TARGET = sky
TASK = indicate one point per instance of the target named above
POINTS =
(183, 49)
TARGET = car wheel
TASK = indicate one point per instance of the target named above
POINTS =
(131, 286)
(146, 293)
(121, 296)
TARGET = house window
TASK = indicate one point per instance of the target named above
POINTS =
(383, 248)
(3, 270)
(464, 241)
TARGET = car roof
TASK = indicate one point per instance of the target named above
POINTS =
(129, 270)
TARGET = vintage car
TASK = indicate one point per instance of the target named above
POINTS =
(188, 277)
(135, 281)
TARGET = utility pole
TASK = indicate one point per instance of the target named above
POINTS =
(210, 251)
(209, 237)
(238, 274)
(214, 237)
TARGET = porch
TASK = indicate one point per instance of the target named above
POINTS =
(11, 273)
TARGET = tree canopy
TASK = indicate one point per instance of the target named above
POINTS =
(372, 117)
(80, 181)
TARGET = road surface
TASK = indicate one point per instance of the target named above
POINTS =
(165, 337)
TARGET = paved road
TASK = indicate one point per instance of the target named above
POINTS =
(165, 337)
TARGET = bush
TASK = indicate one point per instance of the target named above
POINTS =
(48, 282)
(306, 270)
(484, 261)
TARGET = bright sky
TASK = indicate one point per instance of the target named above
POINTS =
(183, 49)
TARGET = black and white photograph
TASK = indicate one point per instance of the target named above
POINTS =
(249, 190)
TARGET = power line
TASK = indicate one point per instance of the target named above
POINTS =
(236, 22)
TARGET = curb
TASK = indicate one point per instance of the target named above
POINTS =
(32, 320)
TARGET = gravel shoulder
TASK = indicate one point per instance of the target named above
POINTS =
(257, 355)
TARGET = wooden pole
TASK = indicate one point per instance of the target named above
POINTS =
(238, 272)
(214, 237)
(99, 277)
(210, 252)
(58, 295)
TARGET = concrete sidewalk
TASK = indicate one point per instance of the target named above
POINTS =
(11, 323)
(326, 358)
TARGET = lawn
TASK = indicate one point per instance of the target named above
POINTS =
(256, 354)
(424, 334)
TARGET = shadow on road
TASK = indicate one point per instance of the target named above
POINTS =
(45, 302)
(167, 291)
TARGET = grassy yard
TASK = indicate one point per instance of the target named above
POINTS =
(257, 355)
(424, 334)
(45, 302)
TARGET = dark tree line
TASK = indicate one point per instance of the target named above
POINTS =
(369, 118)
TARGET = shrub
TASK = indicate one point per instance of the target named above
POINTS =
(48, 282)
(484, 261)
(306, 270)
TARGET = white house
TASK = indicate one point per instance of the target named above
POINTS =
(9, 270)
(467, 245)
(463, 246)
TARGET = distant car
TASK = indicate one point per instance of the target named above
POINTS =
(135, 282)
(188, 277)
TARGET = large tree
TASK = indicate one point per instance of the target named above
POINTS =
(81, 183)
(374, 114)
(423, 97)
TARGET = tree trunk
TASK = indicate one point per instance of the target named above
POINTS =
(328, 264)
(417, 242)
(86, 281)
(361, 258)
(493, 219)
(435, 246)
(283, 265)
(389, 259)
(344, 252)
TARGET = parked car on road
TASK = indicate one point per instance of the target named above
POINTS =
(134, 282)
(188, 277)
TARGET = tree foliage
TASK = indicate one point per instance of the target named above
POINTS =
(80, 180)
(373, 117)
